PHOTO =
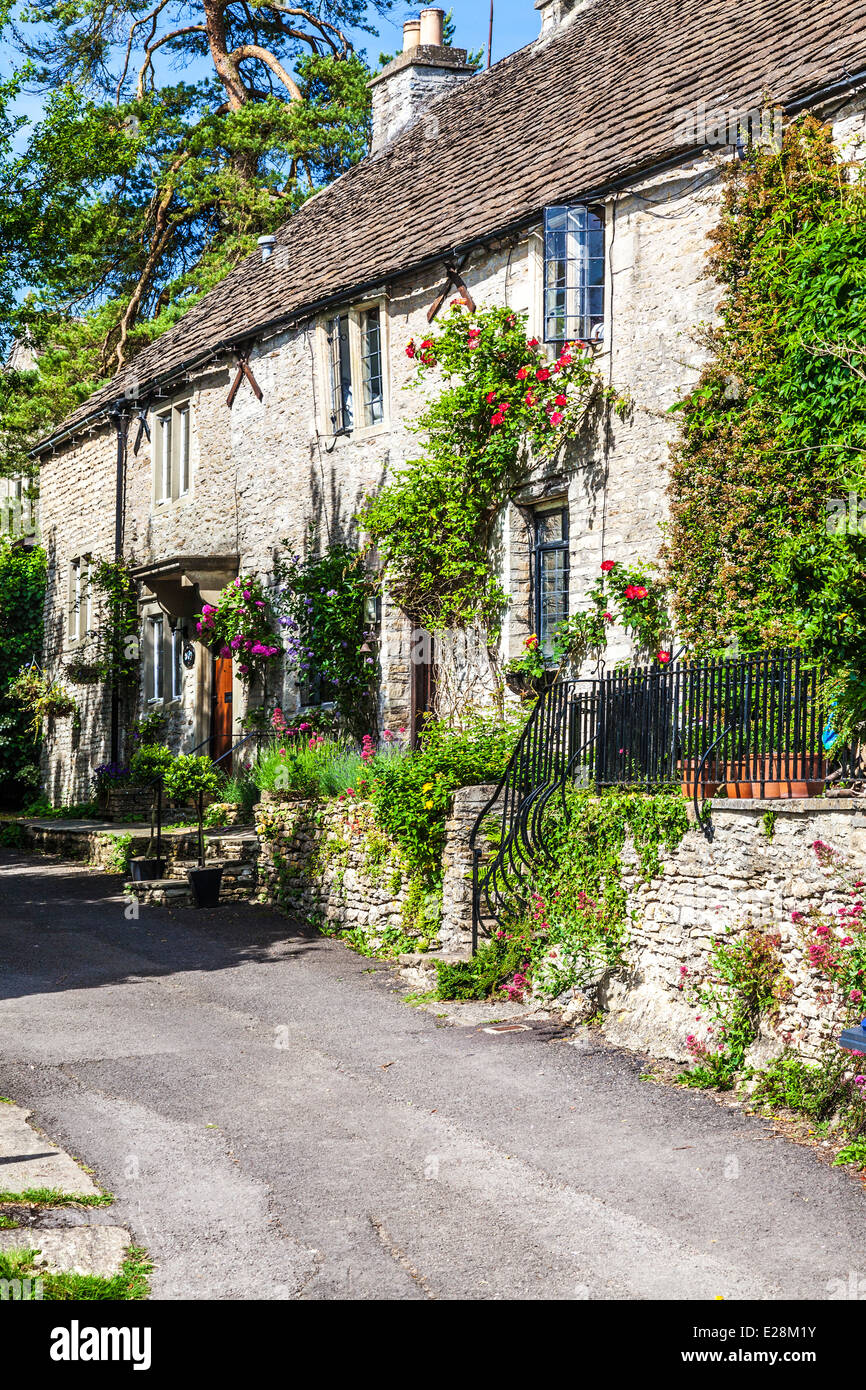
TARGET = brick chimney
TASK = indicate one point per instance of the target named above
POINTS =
(416, 77)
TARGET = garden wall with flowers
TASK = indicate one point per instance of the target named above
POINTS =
(748, 944)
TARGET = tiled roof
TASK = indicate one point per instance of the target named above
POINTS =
(564, 116)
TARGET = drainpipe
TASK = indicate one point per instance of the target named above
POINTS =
(120, 414)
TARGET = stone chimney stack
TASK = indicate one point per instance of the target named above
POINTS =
(416, 77)
(556, 13)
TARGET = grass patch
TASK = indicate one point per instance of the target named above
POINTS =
(7, 1224)
(51, 1197)
(130, 1282)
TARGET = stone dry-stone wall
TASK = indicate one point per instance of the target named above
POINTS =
(331, 859)
(742, 873)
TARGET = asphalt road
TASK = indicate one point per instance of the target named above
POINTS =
(276, 1123)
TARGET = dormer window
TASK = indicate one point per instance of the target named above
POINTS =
(355, 370)
(573, 274)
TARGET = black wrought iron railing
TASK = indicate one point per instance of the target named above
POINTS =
(741, 727)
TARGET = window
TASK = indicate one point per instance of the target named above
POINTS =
(182, 422)
(171, 453)
(573, 274)
(78, 599)
(340, 364)
(177, 640)
(355, 361)
(371, 366)
(154, 662)
(550, 568)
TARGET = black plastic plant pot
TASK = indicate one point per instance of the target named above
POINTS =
(205, 885)
(143, 870)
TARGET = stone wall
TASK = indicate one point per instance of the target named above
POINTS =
(330, 861)
(743, 874)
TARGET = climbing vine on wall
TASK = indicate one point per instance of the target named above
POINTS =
(500, 409)
(776, 426)
(322, 600)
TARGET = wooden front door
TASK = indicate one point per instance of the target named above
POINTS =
(423, 683)
(221, 719)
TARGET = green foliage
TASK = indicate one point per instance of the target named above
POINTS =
(813, 1089)
(41, 809)
(22, 597)
(11, 835)
(137, 190)
(411, 792)
(130, 1282)
(743, 981)
(322, 601)
(501, 408)
(42, 697)
(191, 776)
(117, 636)
(117, 862)
(577, 899)
(768, 823)
(776, 426)
(149, 763)
(241, 625)
(314, 767)
(483, 975)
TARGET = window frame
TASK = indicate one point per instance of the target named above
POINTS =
(583, 311)
(541, 549)
(176, 646)
(368, 412)
(156, 658)
(78, 599)
(171, 448)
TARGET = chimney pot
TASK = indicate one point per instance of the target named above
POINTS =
(432, 27)
(411, 34)
(267, 243)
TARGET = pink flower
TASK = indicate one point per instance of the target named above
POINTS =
(556, 418)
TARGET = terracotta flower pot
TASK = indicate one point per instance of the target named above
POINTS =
(798, 775)
(709, 781)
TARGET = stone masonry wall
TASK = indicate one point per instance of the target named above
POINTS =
(332, 860)
(739, 875)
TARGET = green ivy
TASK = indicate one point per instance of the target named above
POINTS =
(776, 425)
(22, 600)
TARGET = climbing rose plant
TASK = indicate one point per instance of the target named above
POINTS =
(241, 625)
(501, 408)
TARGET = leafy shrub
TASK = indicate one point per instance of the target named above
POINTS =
(319, 767)
(149, 763)
(22, 594)
(190, 776)
(411, 792)
(11, 835)
(493, 963)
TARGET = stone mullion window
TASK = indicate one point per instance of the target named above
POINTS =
(172, 468)
(354, 357)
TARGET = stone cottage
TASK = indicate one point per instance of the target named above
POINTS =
(575, 181)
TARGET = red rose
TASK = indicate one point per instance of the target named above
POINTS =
(529, 398)
(427, 342)
(566, 359)
(532, 342)
(607, 565)
(561, 400)
(542, 374)
(490, 397)
(664, 657)
(640, 592)
(410, 351)
(608, 617)
(496, 419)
(556, 418)
(630, 591)
(522, 373)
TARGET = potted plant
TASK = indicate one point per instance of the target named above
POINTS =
(147, 768)
(529, 675)
(191, 779)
